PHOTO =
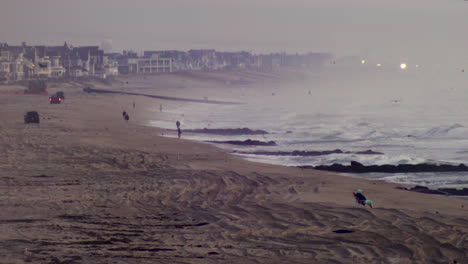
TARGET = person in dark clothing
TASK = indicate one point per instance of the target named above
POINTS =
(361, 199)
(124, 114)
(178, 128)
(126, 117)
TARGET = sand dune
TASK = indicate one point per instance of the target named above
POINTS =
(85, 186)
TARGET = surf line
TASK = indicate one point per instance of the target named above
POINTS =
(204, 101)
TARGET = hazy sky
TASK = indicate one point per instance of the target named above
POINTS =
(413, 30)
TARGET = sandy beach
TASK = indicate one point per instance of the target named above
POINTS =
(85, 186)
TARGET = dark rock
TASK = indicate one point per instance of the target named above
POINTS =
(453, 191)
(369, 152)
(309, 153)
(293, 153)
(335, 167)
(357, 167)
(247, 142)
(306, 167)
(385, 168)
(418, 188)
(440, 191)
(423, 189)
(228, 131)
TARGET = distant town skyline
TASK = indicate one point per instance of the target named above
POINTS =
(418, 31)
(32, 62)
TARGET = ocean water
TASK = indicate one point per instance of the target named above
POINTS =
(412, 116)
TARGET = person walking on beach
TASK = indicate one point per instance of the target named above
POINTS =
(178, 128)
(361, 199)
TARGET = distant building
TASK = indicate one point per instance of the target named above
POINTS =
(91, 58)
(56, 68)
(203, 59)
(128, 65)
(110, 65)
(154, 64)
(31, 62)
(40, 62)
(5, 65)
(234, 60)
(179, 58)
(21, 68)
(76, 71)
(43, 67)
(127, 62)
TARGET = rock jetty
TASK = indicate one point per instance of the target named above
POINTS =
(310, 153)
(440, 191)
(228, 131)
(357, 167)
(247, 142)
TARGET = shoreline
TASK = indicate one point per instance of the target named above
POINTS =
(219, 81)
(104, 190)
(456, 192)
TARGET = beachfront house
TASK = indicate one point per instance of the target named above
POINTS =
(56, 68)
(5, 65)
(127, 65)
(110, 65)
(127, 62)
(178, 58)
(154, 64)
(30, 62)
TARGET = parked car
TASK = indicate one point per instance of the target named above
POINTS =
(31, 117)
(54, 99)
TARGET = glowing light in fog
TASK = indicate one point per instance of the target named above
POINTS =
(363, 61)
(403, 66)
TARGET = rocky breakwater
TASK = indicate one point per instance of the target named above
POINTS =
(227, 131)
(309, 153)
(440, 191)
(357, 167)
(248, 142)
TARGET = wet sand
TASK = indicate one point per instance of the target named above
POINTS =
(85, 186)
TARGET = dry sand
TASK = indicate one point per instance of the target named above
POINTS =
(85, 186)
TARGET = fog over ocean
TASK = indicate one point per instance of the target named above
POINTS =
(412, 116)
